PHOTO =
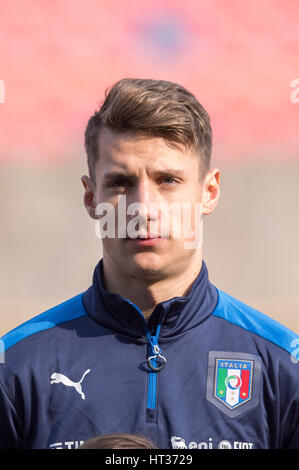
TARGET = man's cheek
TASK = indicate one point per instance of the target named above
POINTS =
(193, 227)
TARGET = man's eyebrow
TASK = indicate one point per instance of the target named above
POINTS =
(170, 171)
(115, 174)
(127, 174)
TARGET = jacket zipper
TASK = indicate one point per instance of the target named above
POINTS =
(155, 361)
(153, 353)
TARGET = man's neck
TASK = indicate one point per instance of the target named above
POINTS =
(146, 294)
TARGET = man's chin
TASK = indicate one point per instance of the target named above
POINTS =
(145, 267)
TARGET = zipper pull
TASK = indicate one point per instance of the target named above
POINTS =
(159, 361)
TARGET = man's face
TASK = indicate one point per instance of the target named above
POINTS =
(146, 174)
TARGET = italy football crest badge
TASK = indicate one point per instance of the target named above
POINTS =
(233, 381)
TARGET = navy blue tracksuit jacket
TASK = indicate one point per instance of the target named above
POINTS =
(206, 371)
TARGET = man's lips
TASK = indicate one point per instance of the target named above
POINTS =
(146, 241)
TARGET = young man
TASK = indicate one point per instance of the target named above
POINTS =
(152, 347)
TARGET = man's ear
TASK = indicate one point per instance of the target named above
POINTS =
(211, 191)
(89, 196)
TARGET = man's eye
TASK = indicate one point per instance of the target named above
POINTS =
(168, 180)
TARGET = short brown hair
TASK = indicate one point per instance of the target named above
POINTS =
(154, 108)
(118, 441)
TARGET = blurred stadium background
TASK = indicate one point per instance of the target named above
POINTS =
(56, 60)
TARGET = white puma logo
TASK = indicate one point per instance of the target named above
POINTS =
(57, 378)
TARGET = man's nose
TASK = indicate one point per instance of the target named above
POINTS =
(146, 197)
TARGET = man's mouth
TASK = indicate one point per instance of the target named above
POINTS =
(146, 240)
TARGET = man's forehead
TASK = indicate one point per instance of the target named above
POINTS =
(124, 150)
(112, 167)
(113, 142)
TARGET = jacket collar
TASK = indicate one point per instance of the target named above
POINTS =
(176, 315)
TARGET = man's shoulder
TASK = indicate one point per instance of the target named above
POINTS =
(267, 328)
(68, 310)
